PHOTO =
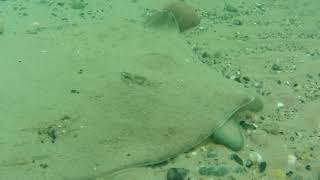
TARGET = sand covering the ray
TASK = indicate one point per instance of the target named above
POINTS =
(114, 95)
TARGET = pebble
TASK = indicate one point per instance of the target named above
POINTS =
(289, 173)
(308, 167)
(205, 55)
(276, 67)
(230, 8)
(237, 159)
(262, 166)
(246, 78)
(78, 4)
(237, 22)
(220, 170)
(248, 126)
(248, 163)
(177, 173)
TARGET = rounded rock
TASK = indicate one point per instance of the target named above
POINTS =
(185, 16)
(177, 173)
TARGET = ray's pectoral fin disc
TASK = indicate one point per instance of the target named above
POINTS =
(229, 135)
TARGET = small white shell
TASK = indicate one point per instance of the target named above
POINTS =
(292, 159)
(255, 157)
(280, 105)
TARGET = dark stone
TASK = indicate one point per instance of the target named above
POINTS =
(205, 55)
(60, 4)
(308, 167)
(49, 132)
(279, 81)
(52, 133)
(237, 159)
(246, 78)
(249, 163)
(220, 170)
(248, 126)
(289, 173)
(262, 166)
(276, 67)
(237, 22)
(177, 173)
(65, 117)
(238, 79)
(74, 91)
(44, 165)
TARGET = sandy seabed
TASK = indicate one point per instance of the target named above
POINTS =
(271, 47)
